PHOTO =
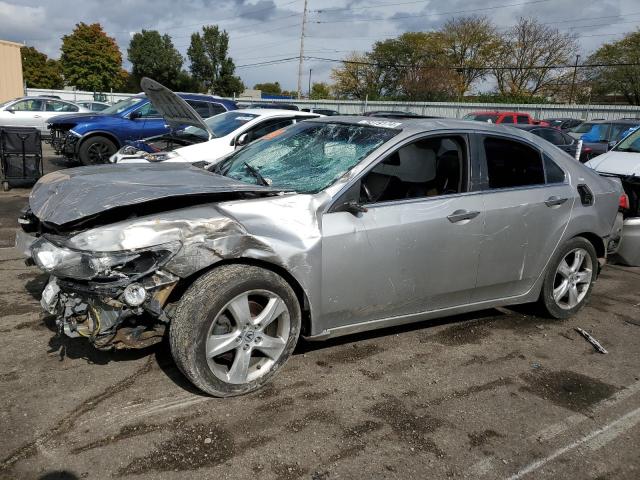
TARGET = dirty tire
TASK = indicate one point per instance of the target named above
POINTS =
(547, 303)
(203, 302)
(96, 150)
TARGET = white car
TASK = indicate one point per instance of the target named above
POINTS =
(35, 111)
(203, 140)
(623, 161)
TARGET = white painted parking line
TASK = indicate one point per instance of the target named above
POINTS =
(594, 440)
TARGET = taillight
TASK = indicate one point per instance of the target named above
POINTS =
(624, 202)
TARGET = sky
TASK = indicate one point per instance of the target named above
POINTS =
(269, 30)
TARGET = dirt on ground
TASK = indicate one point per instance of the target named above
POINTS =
(493, 394)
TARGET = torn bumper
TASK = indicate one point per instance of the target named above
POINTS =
(111, 316)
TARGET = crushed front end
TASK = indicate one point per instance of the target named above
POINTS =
(114, 299)
(64, 140)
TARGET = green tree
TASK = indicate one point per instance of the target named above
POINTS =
(273, 88)
(525, 54)
(39, 71)
(357, 78)
(414, 67)
(621, 80)
(153, 55)
(319, 91)
(90, 59)
(470, 43)
(210, 63)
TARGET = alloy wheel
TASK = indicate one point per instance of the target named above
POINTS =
(572, 279)
(247, 336)
(99, 153)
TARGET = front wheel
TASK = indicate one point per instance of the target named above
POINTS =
(234, 328)
(96, 150)
(569, 278)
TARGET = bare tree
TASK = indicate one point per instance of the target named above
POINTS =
(470, 43)
(526, 54)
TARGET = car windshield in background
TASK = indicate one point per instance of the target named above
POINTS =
(225, 123)
(630, 144)
(122, 105)
(596, 133)
(306, 157)
(583, 127)
(481, 118)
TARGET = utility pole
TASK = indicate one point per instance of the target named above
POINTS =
(304, 21)
(310, 70)
(573, 81)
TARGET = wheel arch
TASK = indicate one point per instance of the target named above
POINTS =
(301, 294)
(596, 241)
(98, 133)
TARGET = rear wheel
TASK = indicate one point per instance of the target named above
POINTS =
(569, 278)
(234, 328)
(96, 150)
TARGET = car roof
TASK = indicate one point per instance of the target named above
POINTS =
(527, 126)
(41, 97)
(497, 112)
(411, 126)
(276, 112)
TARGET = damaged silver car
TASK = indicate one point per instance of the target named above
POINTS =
(325, 228)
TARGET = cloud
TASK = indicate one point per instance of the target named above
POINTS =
(270, 29)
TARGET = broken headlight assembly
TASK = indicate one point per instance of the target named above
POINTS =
(64, 262)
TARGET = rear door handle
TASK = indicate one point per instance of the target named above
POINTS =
(554, 201)
(460, 215)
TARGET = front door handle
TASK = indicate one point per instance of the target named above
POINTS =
(37, 116)
(460, 215)
(554, 201)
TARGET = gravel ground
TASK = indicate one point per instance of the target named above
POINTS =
(493, 394)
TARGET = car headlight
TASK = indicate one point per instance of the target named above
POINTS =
(82, 265)
(161, 156)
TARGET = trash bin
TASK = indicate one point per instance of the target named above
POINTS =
(20, 156)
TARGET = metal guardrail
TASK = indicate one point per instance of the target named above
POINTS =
(439, 109)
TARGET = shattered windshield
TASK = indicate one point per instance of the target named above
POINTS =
(630, 144)
(122, 105)
(306, 157)
(222, 124)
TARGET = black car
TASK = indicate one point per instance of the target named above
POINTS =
(563, 123)
(282, 106)
(322, 111)
(559, 139)
(395, 114)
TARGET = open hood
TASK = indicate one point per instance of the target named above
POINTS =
(176, 112)
(617, 163)
(66, 196)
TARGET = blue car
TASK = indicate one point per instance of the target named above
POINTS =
(92, 138)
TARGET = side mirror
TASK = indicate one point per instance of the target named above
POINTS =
(11, 110)
(135, 115)
(354, 208)
(241, 140)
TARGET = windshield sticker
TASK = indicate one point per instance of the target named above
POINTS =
(380, 123)
(273, 134)
(244, 119)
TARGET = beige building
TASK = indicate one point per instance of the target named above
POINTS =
(11, 83)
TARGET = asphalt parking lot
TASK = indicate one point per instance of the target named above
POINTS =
(493, 394)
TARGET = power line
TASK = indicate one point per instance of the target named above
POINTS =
(450, 67)
(436, 14)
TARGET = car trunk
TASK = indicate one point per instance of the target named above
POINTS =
(629, 250)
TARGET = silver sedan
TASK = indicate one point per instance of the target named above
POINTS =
(325, 228)
(35, 112)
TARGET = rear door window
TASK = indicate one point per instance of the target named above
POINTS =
(201, 108)
(507, 119)
(28, 106)
(522, 119)
(512, 164)
(551, 135)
